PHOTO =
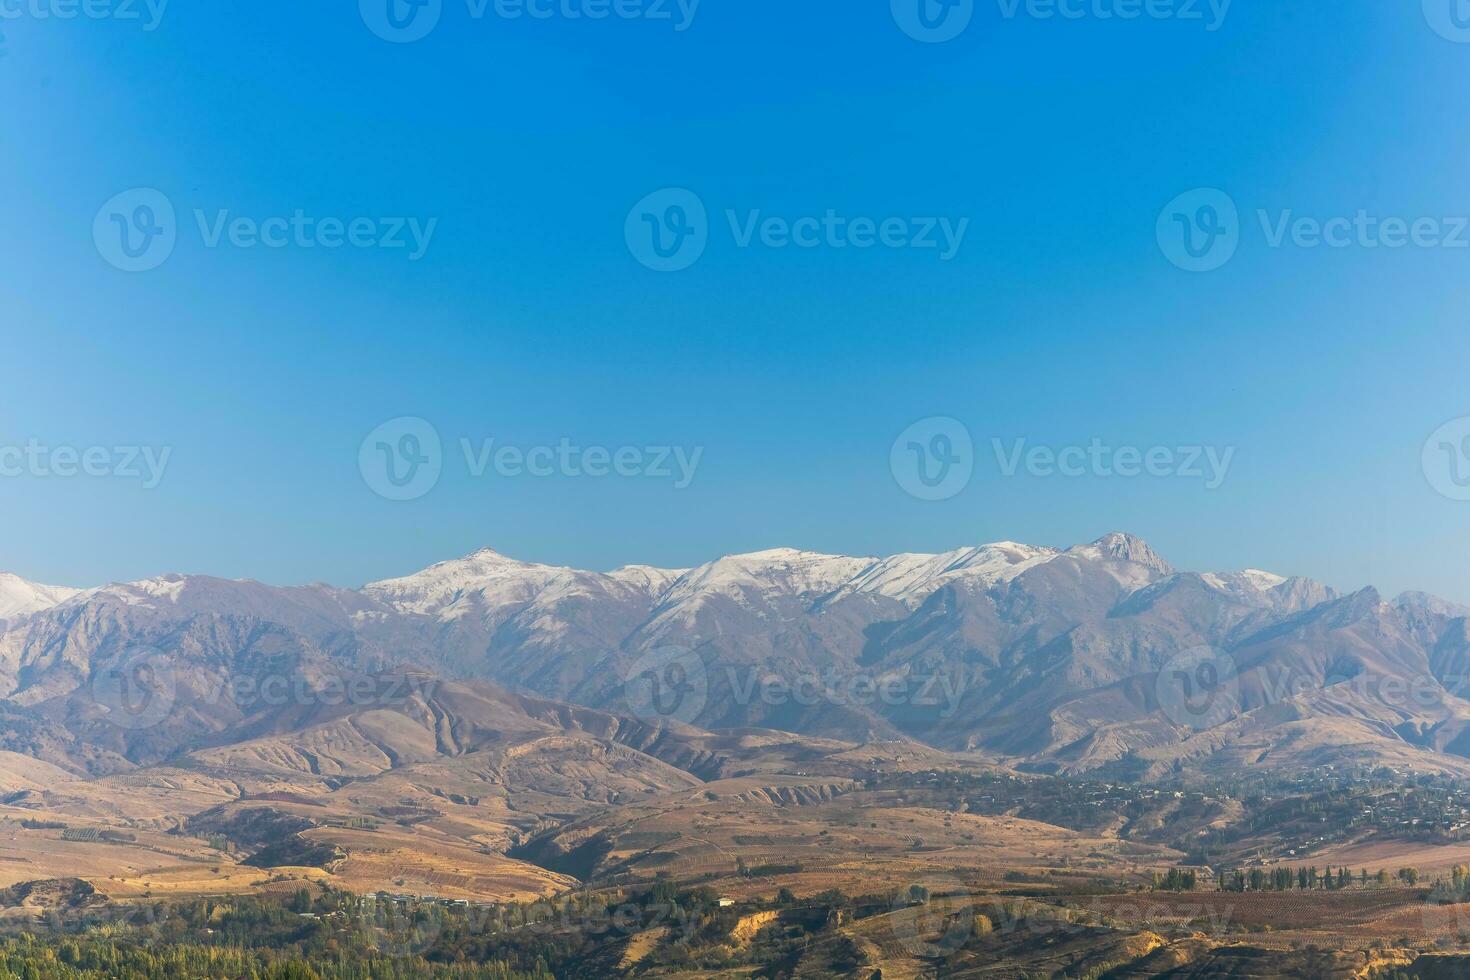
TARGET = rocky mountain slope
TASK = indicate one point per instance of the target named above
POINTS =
(20, 598)
(1100, 656)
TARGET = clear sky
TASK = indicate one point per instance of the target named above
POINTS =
(528, 318)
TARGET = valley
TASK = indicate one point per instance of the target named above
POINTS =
(1005, 761)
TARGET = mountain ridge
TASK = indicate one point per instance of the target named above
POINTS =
(655, 579)
(1050, 658)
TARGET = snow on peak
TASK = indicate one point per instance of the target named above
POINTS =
(911, 578)
(778, 571)
(1249, 581)
(1262, 580)
(167, 587)
(647, 578)
(487, 580)
(486, 572)
(19, 597)
(1433, 604)
(1123, 547)
(207, 594)
(907, 578)
(491, 581)
(486, 556)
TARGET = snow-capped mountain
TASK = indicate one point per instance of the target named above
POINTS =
(20, 598)
(1431, 604)
(1040, 655)
(911, 578)
(491, 582)
(490, 579)
(765, 574)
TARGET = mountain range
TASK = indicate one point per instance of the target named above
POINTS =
(1101, 657)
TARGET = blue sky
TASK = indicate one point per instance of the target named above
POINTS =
(528, 319)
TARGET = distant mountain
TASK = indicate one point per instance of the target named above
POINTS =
(20, 598)
(1431, 605)
(1101, 656)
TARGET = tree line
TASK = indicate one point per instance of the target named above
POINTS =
(1307, 878)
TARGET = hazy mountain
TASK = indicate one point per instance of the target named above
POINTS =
(20, 598)
(1431, 605)
(1064, 659)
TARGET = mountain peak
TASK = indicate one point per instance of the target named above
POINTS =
(20, 597)
(1121, 546)
(1122, 543)
(1262, 579)
(490, 555)
(650, 579)
(1432, 604)
(783, 554)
